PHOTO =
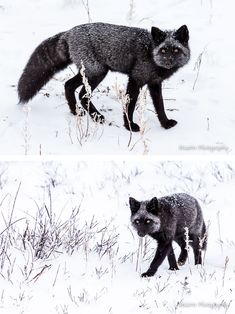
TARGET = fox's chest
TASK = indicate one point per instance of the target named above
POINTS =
(160, 74)
(148, 73)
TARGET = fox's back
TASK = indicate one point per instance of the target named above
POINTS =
(114, 46)
(184, 211)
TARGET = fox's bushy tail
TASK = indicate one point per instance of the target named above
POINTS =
(49, 57)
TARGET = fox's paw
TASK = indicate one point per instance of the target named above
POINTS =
(169, 124)
(97, 117)
(181, 262)
(148, 273)
(182, 258)
(74, 112)
(174, 268)
(78, 111)
(132, 127)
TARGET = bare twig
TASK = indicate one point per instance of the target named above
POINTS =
(130, 12)
(225, 268)
(35, 278)
(124, 99)
(87, 8)
(26, 134)
(219, 229)
(197, 66)
(187, 241)
(139, 253)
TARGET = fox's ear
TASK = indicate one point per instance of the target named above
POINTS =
(152, 205)
(158, 35)
(134, 205)
(182, 34)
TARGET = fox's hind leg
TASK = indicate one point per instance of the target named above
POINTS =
(86, 101)
(133, 93)
(184, 253)
(70, 87)
(197, 250)
(172, 260)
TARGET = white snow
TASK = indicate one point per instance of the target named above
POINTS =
(66, 242)
(100, 273)
(205, 113)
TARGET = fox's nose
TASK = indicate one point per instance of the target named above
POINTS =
(141, 233)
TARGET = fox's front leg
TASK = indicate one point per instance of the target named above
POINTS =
(156, 95)
(161, 253)
(172, 260)
(133, 93)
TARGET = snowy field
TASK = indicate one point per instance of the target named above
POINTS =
(67, 245)
(200, 96)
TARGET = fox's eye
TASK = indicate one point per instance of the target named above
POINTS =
(148, 221)
(163, 50)
(176, 50)
(137, 221)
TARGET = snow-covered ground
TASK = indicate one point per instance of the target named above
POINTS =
(67, 245)
(200, 96)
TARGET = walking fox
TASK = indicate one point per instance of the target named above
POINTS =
(146, 57)
(165, 220)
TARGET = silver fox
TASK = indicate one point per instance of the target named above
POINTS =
(146, 57)
(165, 220)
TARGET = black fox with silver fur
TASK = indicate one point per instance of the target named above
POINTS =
(165, 220)
(146, 57)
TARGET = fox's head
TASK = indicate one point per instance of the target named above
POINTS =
(144, 216)
(171, 48)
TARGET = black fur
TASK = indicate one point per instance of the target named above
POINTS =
(103, 47)
(165, 219)
(158, 35)
(45, 61)
(182, 34)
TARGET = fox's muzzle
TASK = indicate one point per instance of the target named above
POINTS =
(141, 233)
